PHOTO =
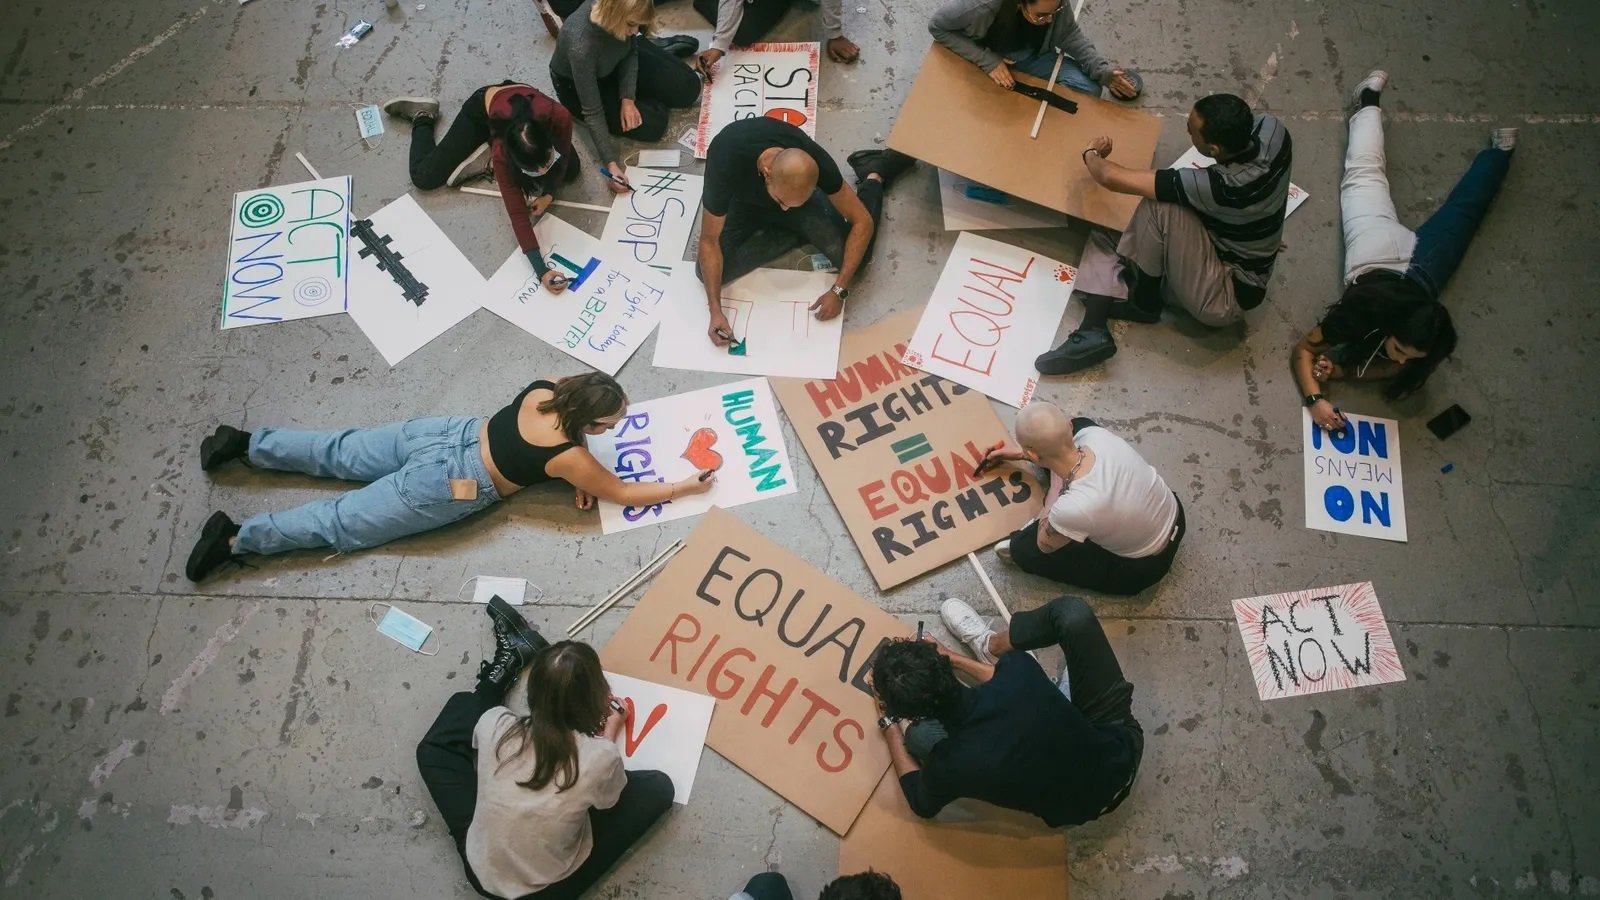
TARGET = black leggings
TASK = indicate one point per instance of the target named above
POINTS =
(431, 164)
(1087, 565)
(755, 235)
(447, 762)
(760, 16)
(665, 83)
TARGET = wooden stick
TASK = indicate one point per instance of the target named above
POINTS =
(989, 586)
(1051, 87)
(588, 618)
(307, 163)
(569, 203)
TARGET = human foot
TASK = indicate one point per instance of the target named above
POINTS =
(965, 623)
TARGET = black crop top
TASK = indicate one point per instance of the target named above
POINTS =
(520, 462)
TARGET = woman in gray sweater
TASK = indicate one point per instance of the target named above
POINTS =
(615, 80)
(1000, 35)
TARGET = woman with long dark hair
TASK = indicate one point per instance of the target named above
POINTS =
(428, 472)
(1389, 325)
(1005, 36)
(543, 808)
(511, 129)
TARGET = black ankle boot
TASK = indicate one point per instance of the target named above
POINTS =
(214, 548)
(224, 444)
(515, 643)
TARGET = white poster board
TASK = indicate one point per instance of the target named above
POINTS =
(774, 330)
(774, 80)
(733, 429)
(1353, 482)
(1308, 642)
(417, 287)
(287, 253)
(1194, 159)
(995, 309)
(964, 213)
(666, 729)
(653, 221)
(609, 307)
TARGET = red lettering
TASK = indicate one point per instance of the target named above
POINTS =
(718, 669)
(631, 743)
(966, 472)
(874, 373)
(849, 754)
(870, 496)
(824, 395)
(673, 637)
(818, 702)
(710, 645)
(997, 279)
(939, 480)
(965, 361)
(779, 698)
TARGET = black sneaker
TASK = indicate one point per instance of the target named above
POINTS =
(677, 44)
(1083, 348)
(886, 164)
(213, 550)
(225, 444)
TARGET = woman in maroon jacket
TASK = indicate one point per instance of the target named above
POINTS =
(520, 134)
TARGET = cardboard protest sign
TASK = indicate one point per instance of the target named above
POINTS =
(666, 730)
(733, 429)
(956, 118)
(608, 309)
(774, 330)
(784, 650)
(995, 309)
(1353, 482)
(774, 80)
(415, 287)
(1194, 159)
(965, 852)
(896, 449)
(1307, 642)
(288, 256)
(968, 213)
(653, 221)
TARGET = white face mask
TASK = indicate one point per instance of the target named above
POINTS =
(555, 157)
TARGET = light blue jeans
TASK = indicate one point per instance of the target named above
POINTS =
(408, 465)
(1039, 65)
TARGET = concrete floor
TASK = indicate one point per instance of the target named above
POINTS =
(253, 739)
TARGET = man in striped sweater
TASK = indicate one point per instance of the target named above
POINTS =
(1203, 239)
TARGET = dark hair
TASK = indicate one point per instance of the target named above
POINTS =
(582, 400)
(1398, 308)
(567, 694)
(868, 885)
(914, 680)
(1226, 120)
(528, 141)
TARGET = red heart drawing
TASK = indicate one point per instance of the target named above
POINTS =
(631, 743)
(699, 452)
(783, 114)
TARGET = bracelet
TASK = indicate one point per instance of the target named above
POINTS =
(1085, 155)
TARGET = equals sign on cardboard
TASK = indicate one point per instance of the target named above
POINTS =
(907, 449)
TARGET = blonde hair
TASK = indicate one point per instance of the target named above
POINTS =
(614, 17)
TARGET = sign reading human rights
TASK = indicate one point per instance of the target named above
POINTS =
(786, 652)
(778, 81)
(1353, 483)
(898, 449)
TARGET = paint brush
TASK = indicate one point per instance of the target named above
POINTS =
(989, 461)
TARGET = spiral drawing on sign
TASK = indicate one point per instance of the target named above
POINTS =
(312, 291)
(260, 211)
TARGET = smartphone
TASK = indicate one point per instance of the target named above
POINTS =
(1448, 422)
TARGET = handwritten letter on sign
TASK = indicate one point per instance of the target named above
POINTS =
(287, 253)
(785, 651)
(1307, 642)
(666, 730)
(774, 80)
(652, 222)
(608, 309)
(896, 449)
(1353, 483)
(995, 309)
(769, 311)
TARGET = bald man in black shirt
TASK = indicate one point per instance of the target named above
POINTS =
(769, 189)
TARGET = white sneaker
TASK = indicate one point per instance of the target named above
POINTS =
(476, 165)
(1003, 550)
(965, 623)
(1503, 139)
(1375, 81)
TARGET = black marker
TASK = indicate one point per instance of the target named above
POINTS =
(919, 629)
(706, 474)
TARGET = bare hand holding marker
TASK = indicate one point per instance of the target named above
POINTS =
(699, 484)
(720, 332)
(616, 720)
(553, 281)
(828, 306)
(706, 63)
(616, 177)
(538, 205)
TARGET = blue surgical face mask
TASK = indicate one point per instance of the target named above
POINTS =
(407, 630)
(555, 157)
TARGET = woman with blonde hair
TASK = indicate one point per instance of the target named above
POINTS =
(426, 473)
(605, 70)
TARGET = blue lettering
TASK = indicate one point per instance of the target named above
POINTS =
(1339, 503)
(1371, 509)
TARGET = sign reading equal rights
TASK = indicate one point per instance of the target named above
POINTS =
(897, 449)
(784, 649)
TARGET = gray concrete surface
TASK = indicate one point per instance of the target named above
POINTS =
(253, 738)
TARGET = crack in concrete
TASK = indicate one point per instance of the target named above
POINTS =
(1544, 753)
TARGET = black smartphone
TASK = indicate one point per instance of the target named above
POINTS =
(1448, 422)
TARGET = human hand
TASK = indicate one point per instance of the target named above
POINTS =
(539, 204)
(842, 49)
(585, 500)
(553, 281)
(615, 721)
(707, 61)
(1327, 417)
(1100, 145)
(698, 483)
(943, 650)
(1121, 85)
(827, 306)
(630, 116)
(720, 332)
(1321, 368)
(618, 181)
(1007, 451)
(1002, 75)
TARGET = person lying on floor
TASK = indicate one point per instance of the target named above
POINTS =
(428, 472)
(1070, 748)
(1389, 325)
(770, 188)
(512, 130)
(1002, 36)
(867, 885)
(538, 805)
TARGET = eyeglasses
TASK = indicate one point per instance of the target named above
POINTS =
(1042, 17)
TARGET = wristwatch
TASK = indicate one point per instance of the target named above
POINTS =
(886, 721)
(843, 293)
(1314, 399)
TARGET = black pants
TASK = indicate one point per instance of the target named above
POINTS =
(665, 83)
(431, 164)
(1087, 565)
(755, 235)
(448, 765)
(769, 886)
(760, 17)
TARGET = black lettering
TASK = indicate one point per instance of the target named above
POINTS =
(1286, 661)
(923, 534)
(716, 572)
(1023, 490)
(1333, 618)
(971, 504)
(738, 599)
(784, 620)
(872, 429)
(941, 515)
(832, 434)
(916, 399)
(1358, 666)
(887, 545)
(848, 648)
(1296, 625)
